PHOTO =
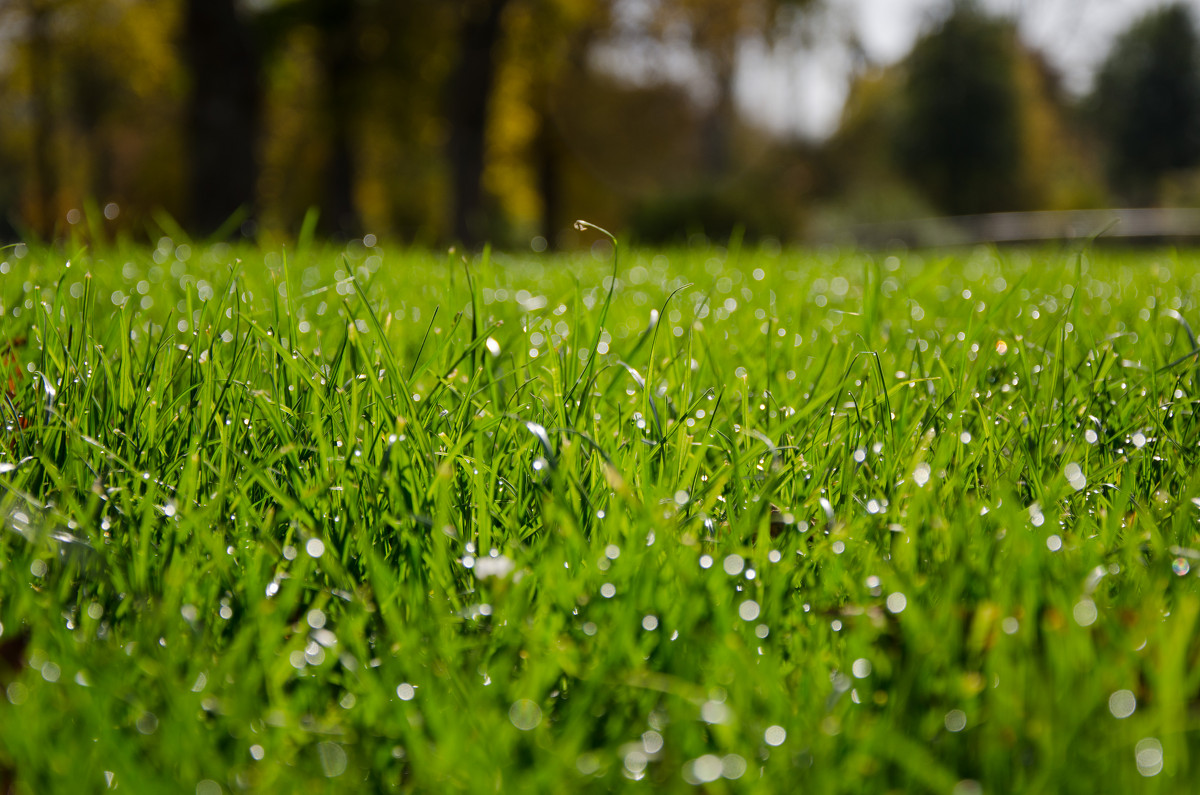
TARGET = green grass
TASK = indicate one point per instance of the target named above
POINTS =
(327, 520)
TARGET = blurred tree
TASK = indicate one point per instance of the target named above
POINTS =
(470, 92)
(42, 213)
(224, 110)
(715, 29)
(1146, 103)
(897, 154)
(543, 48)
(960, 137)
(403, 175)
(88, 109)
(342, 70)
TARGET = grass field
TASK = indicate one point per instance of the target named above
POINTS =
(326, 520)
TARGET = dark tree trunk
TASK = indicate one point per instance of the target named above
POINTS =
(716, 127)
(41, 219)
(223, 112)
(546, 158)
(339, 215)
(471, 90)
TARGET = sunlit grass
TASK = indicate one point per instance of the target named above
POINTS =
(355, 520)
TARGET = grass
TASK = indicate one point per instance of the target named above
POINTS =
(326, 520)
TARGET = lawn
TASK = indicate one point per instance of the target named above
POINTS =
(325, 519)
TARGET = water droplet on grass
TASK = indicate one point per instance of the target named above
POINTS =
(1075, 476)
(499, 566)
(714, 712)
(733, 766)
(333, 759)
(734, 564)
(921, 473)
(147, 723)
(1122, 704)
(652, 742)
(956, 720)
(51, 672)
(703, 770)
(748, 610)
(1149, 755)
(406, 692)
(525, 714)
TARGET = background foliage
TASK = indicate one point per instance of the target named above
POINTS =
(501, 120)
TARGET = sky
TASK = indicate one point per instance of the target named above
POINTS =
(802, 93)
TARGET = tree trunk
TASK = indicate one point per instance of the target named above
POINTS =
(339, 215)
(471, 90)
(41, 218)
(224, 111)
(546, 158)
(716, 128)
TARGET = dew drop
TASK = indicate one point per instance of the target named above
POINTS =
(1122, 704)
(525, 714)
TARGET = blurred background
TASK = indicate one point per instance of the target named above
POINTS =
(436, 121)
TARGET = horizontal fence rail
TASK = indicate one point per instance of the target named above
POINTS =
(1026, 227)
